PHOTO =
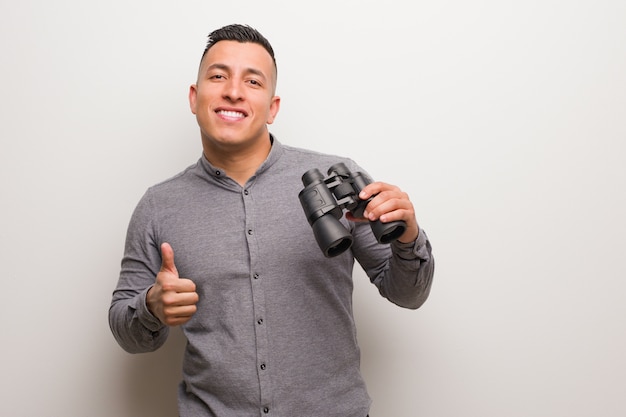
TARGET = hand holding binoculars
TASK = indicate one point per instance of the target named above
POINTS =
(323, 201)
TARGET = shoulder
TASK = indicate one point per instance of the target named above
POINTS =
(167, 192)
(174, 182)
(306, 159)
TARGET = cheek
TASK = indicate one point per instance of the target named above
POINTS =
(203, 107)
(203, 97)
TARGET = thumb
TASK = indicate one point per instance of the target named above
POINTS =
(167, 259)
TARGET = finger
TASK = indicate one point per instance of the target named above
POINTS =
(386, 202)
(174, 316)
(167, 259)
(180, 309)
(369, 190)
(375, 188)
(184, 285)
(179, 299)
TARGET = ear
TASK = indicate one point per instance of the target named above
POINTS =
(274, 107)
(193, 94)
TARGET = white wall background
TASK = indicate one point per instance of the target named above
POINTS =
(505, 122)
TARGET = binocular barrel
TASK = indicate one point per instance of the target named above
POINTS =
(323, 214)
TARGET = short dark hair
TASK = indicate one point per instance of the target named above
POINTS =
(242, 34)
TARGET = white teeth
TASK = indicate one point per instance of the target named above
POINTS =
(231, 113)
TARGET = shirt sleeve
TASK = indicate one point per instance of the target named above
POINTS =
(402, 272)
(134, 327)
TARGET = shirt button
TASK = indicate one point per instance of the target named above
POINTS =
(246, 192)
(256, 276)
(260, 321)
(218, 173)
(262, 366)
(249, 231)
(266, 410)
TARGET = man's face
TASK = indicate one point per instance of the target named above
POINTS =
(233, 99)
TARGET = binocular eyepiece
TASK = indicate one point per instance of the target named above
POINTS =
(323, 201)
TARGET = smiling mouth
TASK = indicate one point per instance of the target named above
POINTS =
(231, 114)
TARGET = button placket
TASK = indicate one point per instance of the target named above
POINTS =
(258, 299)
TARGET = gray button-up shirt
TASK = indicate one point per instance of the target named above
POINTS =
(274, 334)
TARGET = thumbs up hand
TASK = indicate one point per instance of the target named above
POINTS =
(171, 299)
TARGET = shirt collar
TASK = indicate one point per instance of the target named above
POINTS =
(275, 153)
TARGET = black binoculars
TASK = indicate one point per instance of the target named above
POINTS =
(323, 201)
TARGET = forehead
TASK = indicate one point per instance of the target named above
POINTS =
(239, 55)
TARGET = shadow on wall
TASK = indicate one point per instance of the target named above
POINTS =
(150, 380)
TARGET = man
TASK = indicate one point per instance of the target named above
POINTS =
(267, 316)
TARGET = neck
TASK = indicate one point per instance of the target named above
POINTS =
(239, 163)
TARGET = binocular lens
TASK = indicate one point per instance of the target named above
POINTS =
(332, 237)
(340, 248)
(388, 232)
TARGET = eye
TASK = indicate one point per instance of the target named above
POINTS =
(255, 83)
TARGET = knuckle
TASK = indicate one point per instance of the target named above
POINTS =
(169, 286)
(168, 299)
(171, 321)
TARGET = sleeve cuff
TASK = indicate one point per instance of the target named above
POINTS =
(412, 250)
(145, 316)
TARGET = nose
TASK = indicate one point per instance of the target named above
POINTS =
(233, 90)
